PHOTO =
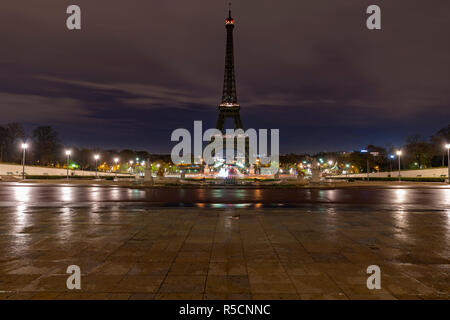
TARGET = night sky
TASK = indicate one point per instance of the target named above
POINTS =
(140, 69)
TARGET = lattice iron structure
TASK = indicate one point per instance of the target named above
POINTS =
(229, 108)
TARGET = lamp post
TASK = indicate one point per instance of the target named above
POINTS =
(391, 156)
(24, 148)
(96, 157)
(399, 155)
(447, 146)
(131, 166)
(68, 153)
(116, 160)
(368, 168)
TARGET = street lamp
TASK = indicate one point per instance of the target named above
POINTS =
(368, 168)
(447, 146)
(116, 160)
(68, 153)
(24, 148)
(96, 157)
(391, 156)
(399, 155)
(131, 165)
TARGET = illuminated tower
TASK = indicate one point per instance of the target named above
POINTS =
(229, 108)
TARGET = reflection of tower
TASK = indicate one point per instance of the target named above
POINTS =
(229, 108)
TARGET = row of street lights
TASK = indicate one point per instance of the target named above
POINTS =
(96, 158)
(399, 155)
(116, 160)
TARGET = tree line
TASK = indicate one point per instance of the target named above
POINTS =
(47, 150)
(418, 152)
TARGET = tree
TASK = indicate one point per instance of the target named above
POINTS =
(10, 136)
(45, 142)
(359, 161)
(377, 157)
(3, 133)
(127, 155)
(438, 140)
(84, 158)
(418, 152)
(142, 155)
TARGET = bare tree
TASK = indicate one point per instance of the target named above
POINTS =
(45, 144)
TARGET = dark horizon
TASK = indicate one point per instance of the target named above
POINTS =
(136, 71)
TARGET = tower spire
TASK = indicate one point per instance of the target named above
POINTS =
(229, 107)
(229, 96)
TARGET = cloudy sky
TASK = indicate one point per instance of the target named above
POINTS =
(140, 69)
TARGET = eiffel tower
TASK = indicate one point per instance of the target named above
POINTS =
(229, 108)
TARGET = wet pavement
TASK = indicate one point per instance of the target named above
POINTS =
(171, 243)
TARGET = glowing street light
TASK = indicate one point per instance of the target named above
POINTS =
(447, 146)
(391, 157)
(24, 148)
(347, 166)
(68, 153)
(116, 161)
(131, 165)
(96, 157)
(399, 155)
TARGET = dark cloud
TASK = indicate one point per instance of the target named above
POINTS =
(137, 70)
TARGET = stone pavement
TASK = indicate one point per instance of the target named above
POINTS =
(135, 252)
